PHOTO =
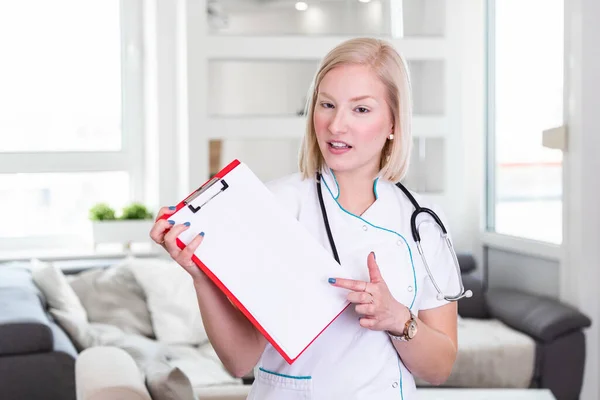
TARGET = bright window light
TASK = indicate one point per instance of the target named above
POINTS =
(528, 98)
(61, 76)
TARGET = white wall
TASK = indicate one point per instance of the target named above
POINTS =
(465, 110)
(580, 264)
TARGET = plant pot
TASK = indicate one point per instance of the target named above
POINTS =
(121, 231)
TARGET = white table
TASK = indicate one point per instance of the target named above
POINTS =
(484, 394)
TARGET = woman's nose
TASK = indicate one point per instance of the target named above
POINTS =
(338, 123)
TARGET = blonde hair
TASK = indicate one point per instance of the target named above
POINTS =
(391, 69)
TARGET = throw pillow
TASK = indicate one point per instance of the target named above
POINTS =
(53, 284)
(167, 383)
(113, 296)
(171, 299)
(63, 303)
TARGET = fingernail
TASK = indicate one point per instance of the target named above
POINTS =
(374, 256)
(172, 208)
(202, 234)
(187, 224)
(171, 222)
(331, 280)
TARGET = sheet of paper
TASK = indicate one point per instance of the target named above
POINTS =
(266, 259)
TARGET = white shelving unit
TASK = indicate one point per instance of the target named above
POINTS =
(432, 46)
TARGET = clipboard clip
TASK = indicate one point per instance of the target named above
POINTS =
(203, 189)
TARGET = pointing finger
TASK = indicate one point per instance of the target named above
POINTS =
(357, 286)
(374, 272)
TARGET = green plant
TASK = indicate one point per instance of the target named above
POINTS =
(102, 212)
(135, 211)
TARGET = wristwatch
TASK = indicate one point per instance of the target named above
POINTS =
(410, 330)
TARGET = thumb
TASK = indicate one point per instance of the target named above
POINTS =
(374, 272)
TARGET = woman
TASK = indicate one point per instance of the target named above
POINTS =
(358, 138)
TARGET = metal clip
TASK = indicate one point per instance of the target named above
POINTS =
(203, 189)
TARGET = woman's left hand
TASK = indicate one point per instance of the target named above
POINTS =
(379, 309)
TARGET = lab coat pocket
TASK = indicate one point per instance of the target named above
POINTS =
(269, 385)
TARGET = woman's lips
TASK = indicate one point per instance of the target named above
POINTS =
(338, 147)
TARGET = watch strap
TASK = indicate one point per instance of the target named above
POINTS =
(404, 337)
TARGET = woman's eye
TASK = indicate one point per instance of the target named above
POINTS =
(362, 110)
(326, 105)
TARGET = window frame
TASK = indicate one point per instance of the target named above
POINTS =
(129, 159)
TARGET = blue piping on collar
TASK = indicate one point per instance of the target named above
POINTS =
(412, 263)
(337, 185)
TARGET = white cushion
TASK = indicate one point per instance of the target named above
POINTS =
(54, 285)
(63, 303)
(113, 296)
(171, 300)
(491, 354)
(201, 366)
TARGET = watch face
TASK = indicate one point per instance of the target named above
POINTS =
(412, 330)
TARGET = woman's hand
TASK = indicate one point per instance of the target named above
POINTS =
(165, 233)
(380, 310)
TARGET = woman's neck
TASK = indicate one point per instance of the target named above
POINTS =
(356, 192)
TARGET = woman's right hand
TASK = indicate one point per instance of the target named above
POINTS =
(165, 232)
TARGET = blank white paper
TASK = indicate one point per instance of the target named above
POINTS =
(266, 259)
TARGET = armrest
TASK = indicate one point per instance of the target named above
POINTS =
(24, 326)
(104, 373)
(540, 317)
(473, 307)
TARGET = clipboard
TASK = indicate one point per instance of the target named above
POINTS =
(263, 259)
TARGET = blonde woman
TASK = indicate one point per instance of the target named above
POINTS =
(355, 149)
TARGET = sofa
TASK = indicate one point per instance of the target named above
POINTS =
(41, 349)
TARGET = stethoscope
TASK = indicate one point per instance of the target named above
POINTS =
(416, 237)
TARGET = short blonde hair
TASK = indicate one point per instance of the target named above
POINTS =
(391, 69)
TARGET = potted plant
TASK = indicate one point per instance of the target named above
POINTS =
(132, 225)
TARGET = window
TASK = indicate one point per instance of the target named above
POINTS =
(70, 82)
(525, 69)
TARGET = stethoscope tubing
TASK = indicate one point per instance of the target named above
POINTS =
(416, 237)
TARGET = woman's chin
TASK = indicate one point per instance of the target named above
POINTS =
(339, 166)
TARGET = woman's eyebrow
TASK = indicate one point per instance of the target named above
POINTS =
(358, 98)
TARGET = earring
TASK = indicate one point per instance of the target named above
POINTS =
(391, 137)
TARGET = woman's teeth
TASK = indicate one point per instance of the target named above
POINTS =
(339, 145)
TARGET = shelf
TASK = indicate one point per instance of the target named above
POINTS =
(294, 127)
(325, 18)
(310, 48)
(256, 128)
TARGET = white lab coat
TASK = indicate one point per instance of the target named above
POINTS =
(348, 361)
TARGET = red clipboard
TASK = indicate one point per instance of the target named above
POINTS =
(219, 185)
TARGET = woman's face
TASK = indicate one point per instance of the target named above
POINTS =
(352, 119)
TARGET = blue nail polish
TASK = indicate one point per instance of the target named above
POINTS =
(202, 234)
(187, 224)
(374, 256)
(331, 280)
(172, 208)
(171, 222)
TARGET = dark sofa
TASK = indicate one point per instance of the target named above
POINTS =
(37, 359)
(556, 328)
